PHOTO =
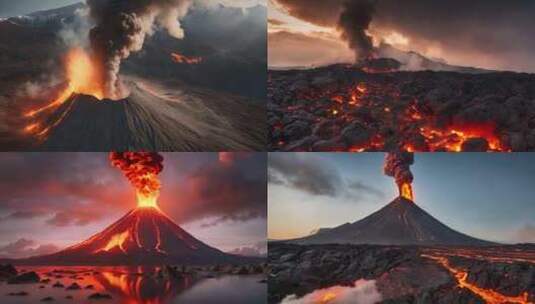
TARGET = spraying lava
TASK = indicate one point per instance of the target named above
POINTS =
(397, 165)
(82, 76)
(141, 169)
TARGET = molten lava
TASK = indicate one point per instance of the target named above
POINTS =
(179, 58)
(141, 169)
(405, 191)
(82, 78)
(488, 295)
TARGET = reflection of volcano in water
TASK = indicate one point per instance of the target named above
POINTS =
(142, 288)
(144, 236)
(401, 222)
(151, 118)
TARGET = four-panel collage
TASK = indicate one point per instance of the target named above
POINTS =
(267, 151)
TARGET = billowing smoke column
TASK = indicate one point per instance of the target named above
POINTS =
(354, 21)
(141, 169)
(397, 165)
(121, 28)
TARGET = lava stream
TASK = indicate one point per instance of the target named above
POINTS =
(488, 295)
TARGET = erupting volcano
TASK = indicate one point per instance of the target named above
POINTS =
(401, 222)
(145, 235)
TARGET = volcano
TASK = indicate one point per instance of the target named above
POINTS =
(153, 117)
(401, 222)
(144, 236)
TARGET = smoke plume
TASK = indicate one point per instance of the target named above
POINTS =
(141, 169)
(354, 20)
(397, 165)
(121, 28)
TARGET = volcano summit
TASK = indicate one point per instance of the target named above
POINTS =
(401, 222)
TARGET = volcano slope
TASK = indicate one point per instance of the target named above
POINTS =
(144, 236)
(353, 108)
(154, 118)
(401, 222)
(411, 258)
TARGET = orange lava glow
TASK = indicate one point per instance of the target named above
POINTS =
(82, 78)
(405, 191)
(141, 169)
(117, 240)
(179, 58)
(453, 138)
(488, 295)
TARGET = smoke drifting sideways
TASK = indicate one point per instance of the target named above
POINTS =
(121, 28)
(141, 169)
(397, 165)
(354, 21)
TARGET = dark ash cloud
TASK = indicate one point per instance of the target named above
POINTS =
(490, 33)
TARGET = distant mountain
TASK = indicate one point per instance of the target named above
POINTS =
(401, 222)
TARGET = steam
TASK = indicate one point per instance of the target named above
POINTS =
(362, 292)
(121, 29)
(354, 20)
(397, 165)
(141, 169)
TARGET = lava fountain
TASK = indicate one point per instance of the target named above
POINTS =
(141, 169)
(397, 165)
(82, 78)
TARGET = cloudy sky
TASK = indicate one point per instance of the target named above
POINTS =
(486, 195)
(483, 33)
(52, 200)
(9, 8)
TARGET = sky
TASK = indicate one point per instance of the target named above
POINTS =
(486, 195)
(49, 201)
(490, 34)
(9, 8)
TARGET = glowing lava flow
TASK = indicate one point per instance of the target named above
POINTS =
(453, 138)
(488, 295)
(82, 78)
(405, 191)
(117, 240)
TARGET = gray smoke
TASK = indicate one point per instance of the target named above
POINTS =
(121, 29)
(354, 20)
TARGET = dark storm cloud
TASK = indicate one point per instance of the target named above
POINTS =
(305, 174)
(499, 30)
(59, 188)
(315, 176)
(231, 188)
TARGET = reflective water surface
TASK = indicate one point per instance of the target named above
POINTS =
(134, 285)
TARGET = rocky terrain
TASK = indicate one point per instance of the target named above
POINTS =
(406, 274)
(351, 108)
